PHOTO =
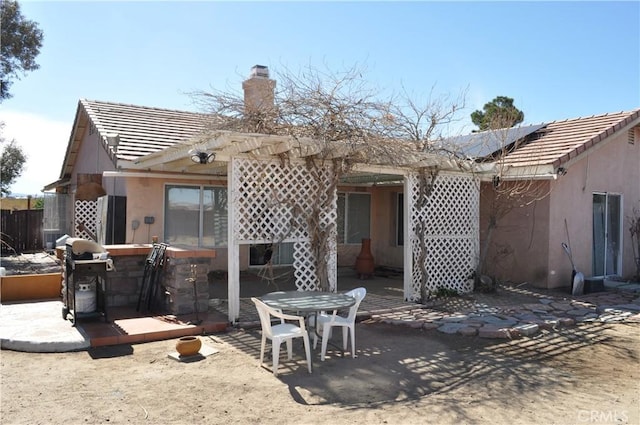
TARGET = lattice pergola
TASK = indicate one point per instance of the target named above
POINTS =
(270, 202)
(271, 192)
(448, 223)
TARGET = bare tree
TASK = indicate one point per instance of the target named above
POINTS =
(348, 121)
(508, 191)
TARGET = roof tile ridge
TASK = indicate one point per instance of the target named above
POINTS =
(93, 116)
(105, 102)
(601, 135)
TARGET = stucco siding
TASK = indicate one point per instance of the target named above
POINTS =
(518, 251)
(383, 227)
(614, 167)
(91, 159)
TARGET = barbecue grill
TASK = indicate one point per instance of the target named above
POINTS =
(85, 282)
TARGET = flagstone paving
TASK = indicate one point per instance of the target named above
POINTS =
(511, 312)
(514, 312)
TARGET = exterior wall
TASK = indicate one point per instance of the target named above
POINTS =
(613, 167)
(348, 252)
(385, 250)
(92, 158)
(383, 227)
(86, 181)
(527, 245)
(145, 197)
(518, 251)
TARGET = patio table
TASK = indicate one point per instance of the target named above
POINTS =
(308, 301)
(311, 302)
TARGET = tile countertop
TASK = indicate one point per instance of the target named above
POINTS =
(144, 249)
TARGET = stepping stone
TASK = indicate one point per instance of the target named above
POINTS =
(526, 317)
(608, 318)
(566, 321)
(579, 312)
(527, 329)
(413, 324)
(562, 306)
(538, 307)
(493, 320)
(454, 318)
(468, 331)
(494, 332)
(429, 326)
(591, 317)
(451, 328)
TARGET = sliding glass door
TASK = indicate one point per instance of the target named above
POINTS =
(607, 234)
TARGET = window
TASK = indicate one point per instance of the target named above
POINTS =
(281, 254)
(196, 216)
(354, 217)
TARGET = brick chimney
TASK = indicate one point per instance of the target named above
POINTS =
(259, 90)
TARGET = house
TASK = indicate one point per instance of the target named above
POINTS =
(586, 173)
(131, 173)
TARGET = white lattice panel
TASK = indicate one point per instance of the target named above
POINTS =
(272, 203)
(304, 269)
(86, 213)
(449, 221)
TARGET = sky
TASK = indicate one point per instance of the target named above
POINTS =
(557, 60)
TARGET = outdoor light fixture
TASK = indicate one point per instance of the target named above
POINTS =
(113, 140)
(562, 171)
(200, 157)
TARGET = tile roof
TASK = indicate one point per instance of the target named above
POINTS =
(167, 133)
(144, 130)
(561, 141)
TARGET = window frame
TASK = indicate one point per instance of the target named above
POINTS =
(345, 222)
(201, 211)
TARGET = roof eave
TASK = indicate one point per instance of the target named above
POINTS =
(537, 172)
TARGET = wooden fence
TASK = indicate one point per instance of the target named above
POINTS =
(21, 231)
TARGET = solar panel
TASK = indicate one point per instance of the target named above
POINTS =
(485, 143)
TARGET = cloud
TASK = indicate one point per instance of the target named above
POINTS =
(44, 141)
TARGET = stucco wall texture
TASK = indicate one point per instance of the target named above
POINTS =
(527, 246)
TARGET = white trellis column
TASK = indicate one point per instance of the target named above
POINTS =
(408, 237)
(233, 248)
(449, 222)
(270, 201)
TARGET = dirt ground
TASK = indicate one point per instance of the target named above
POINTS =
(586, 374)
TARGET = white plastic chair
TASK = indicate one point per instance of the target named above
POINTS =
(325, 322)
(280, 332)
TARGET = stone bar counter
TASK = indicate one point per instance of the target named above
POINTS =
(176, 291)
